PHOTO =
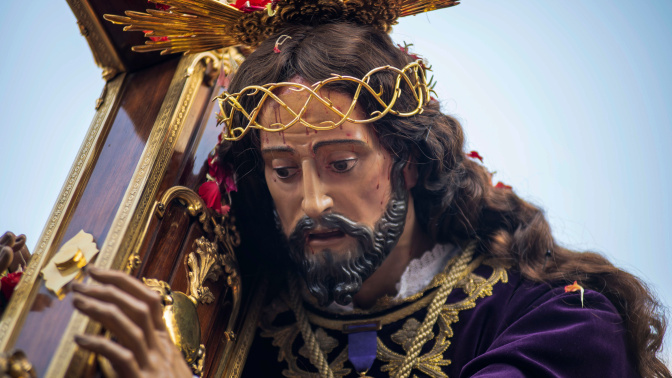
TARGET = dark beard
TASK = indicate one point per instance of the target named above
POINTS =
(337, 277)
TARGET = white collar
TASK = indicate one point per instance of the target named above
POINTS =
(417, 275)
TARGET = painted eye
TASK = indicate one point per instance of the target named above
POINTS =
(342, 166)
(285, 172)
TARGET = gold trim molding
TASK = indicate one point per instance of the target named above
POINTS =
(136, 205)
(19, 305)
(104, 53)
(235, 353)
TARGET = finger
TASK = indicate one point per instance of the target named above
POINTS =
(136, 310)
(20, 260)
(19, 242)
(20, 251)
(121, 359)
(6, 254)
(134, 287)
(7, 238)
(111, 317)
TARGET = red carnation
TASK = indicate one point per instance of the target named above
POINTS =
(155, 39)
(501, 185)
(406, 50)
(160, 6)
(475, 155)
(222, 175)
(210, 193)
(249, 6)
(9, 282)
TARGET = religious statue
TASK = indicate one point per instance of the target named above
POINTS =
(385, 247)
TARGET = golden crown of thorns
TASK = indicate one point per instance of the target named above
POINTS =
(412, 76)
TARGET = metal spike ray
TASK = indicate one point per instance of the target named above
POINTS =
(190, 26)
(200, 25)
(413, 7)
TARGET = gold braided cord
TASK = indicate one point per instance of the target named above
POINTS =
(317, 358)
(425, 330)
(413, 75)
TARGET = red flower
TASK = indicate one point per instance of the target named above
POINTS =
(222, 175)
(405, 49)
(210, 193)
(9, 282)
(501, 185)
(225, 209)
(155, 39)
(475, 155)
(230, 184)
(249, 6)
(160, 6)
(276, 50)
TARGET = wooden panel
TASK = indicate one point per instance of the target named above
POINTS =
(141, 100)
(170, 239)
(163, 254)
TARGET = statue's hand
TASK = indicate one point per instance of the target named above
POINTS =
(133, 313)
(13, 252)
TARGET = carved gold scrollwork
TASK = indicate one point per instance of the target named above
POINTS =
(202, 265)
(194, 202)
(209, 260)
(231, 60)
(16, 365)
(211, 59)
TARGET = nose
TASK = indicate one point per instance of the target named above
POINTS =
(315, 200)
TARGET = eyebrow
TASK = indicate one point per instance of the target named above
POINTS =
(325, 143)
(269, 150)
(316, 146)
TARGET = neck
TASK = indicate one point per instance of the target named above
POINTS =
(412, 244)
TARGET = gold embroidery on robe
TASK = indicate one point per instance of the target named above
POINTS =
(430, 363)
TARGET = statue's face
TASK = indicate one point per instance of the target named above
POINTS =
(331, 190)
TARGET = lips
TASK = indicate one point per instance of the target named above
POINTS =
(325, 235)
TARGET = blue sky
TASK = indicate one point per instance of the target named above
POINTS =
(568, 101)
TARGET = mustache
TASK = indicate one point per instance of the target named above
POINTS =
(330, 221)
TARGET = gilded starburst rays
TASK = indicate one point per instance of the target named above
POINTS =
(193, 26)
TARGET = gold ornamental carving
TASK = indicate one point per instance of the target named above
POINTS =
(16, 365)
(104, 54)
(181, 318)
(179, 311)
(136, 203)
(68, 262)
(202, 265)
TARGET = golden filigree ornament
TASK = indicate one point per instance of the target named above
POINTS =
(16, 365)
(180, 309)
(67, 263)
(411, 78)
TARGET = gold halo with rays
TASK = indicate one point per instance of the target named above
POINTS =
(193, 26)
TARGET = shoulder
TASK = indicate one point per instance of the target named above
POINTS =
(530, 328)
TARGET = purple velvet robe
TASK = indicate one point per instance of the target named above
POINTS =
(524, 329)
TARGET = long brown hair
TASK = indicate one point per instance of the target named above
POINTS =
(455, 200)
